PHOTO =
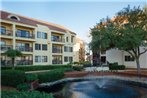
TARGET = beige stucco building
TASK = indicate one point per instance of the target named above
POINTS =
(41, 43)
(79, 50)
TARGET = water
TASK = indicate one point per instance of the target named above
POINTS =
(97, 88)
(109, 89)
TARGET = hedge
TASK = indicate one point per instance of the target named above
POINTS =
(78, 68)
(52, 75)
(12, 77)
(38, 67)
(115, 66)
(25, 94)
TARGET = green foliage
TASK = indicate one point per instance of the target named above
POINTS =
(13, 53)
(31, 77)
(52, 75)
(12, 77)
(25, 94)
(127, 31)
(78, 68)
(23, 87)
(37, 67)
(115, 66)
(76, 63)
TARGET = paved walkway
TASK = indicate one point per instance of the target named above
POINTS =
(38, 71)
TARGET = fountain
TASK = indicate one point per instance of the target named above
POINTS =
(109, 89)
(101, 87)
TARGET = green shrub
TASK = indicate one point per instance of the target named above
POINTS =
(23, 87)
(31, 77)
(25, 94)
(37, 67)
(52, 75)
(76, 63)
(12, 77)
(115, 66)
(78, 68)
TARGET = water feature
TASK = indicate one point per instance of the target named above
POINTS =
(99, 88)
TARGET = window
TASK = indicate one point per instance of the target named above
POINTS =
(70, 49)
(14, 17)
(37, 47)
(44, 58)
(2, 43)
(44, 35)
(129, 58)
(38, 34)
(103, 59)
(3, 29)
(65, 59)
(66, 39)
(44, 47)
(65, 49)
(37, 58)
(72, 38)
(70, 59)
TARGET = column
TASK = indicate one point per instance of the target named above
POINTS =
(14, 39)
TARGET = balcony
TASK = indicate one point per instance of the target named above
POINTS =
(6, 47)
(24, 62)
(57, 39)
(55, 50)
(25, 34)
(56, 62)
(17, 62)
(6, 32)
(24, 49)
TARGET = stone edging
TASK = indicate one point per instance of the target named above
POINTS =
(133, 80)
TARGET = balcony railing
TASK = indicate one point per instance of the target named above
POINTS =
(28, 49)
(56, 62)
(58, 40)
(17, 62)
(54, 50)
(24, 62)
(27, 35)
(6, 62)
(6, 47)
(7, 32)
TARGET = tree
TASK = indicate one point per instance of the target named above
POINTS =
(13, 54)
(127, 31)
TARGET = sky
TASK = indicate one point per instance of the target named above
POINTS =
(77, 15)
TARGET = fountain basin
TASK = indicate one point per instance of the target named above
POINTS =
(97, 87)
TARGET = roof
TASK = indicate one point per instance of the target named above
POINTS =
(33, 22)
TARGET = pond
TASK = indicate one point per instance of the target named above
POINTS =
(97, 88)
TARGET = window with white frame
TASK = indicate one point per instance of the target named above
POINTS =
(38, 34)
(44, 58)
(37, 59)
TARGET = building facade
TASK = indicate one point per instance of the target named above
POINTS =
(41, 43)
(122, 58)
(79, 50)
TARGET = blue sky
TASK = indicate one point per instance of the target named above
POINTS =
(79, 16)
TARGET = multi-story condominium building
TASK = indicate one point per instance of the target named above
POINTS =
(79, 50)
(41, 43)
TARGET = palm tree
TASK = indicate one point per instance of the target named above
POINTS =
(12, 53)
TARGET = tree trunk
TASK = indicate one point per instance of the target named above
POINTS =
(13, 63)
(138, 66)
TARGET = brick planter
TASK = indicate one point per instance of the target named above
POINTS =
(34, 84)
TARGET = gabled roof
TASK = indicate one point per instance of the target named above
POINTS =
(33, 22)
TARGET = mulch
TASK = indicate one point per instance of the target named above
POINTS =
(7, 88)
